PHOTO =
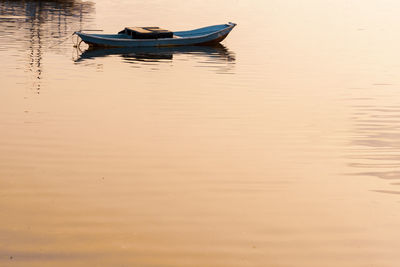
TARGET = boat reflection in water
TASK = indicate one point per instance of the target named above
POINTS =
(217, 56)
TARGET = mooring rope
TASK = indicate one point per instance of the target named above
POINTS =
(77, 43)
(62, 41)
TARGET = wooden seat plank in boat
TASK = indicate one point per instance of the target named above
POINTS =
(147, 32)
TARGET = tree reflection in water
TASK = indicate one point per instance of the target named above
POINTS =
(31, 27)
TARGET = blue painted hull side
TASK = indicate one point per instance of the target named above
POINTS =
(206, 35)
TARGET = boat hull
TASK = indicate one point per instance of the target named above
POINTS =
(203, 36)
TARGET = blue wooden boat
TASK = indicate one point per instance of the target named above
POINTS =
(156, 37)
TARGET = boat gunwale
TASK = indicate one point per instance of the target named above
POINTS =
(230, 26)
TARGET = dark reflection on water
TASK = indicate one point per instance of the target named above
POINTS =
(217, 55)
(388, 192)
(376, 142)
(44, 19)
(37, 27)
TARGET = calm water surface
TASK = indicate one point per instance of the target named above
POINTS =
(281, 147)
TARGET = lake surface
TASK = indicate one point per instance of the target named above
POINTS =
(281, 147)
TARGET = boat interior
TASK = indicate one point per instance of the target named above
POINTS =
(157, 33)
(146, 32)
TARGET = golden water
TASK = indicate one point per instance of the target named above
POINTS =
(279, 148)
